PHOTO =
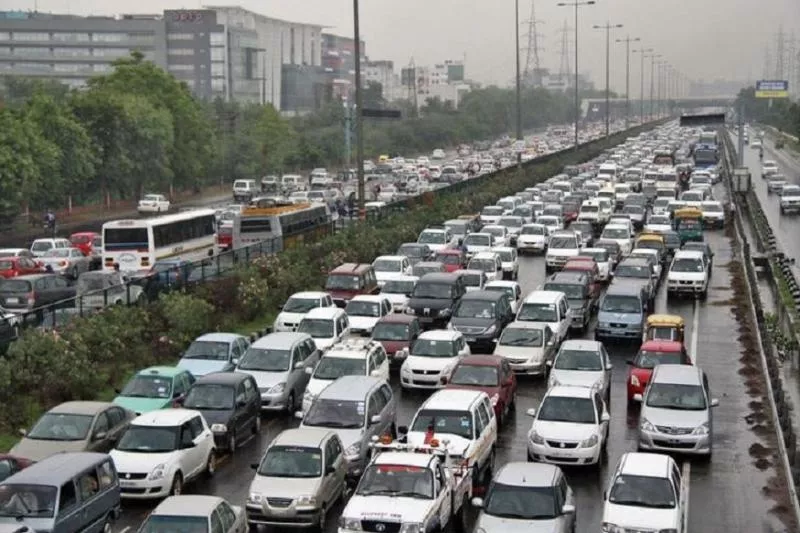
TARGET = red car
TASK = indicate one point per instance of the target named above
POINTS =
(653, 353)
(452, 258)
(11, 267)
(396, 332)
(87, 242)
(10, 465)
(491, 374)
(589, 267)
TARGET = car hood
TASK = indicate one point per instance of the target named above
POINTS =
(267, 380)
(686, 276)
(430, 363)
(620, 318)
(491, 391)
(568, 431)
(36, 450)
(347, 436)
(456, 445)
(142, 405)
(629, 516)
(576, 378)
(395, 509)
(563, 252)
(483, 323)
(384, 276)
(291, 318)
(201, 367)
(284, 487)
(316, 385)
(141, 463)
(527, 237)
(576, 303)
(362, 322)
(512, 525)
(519, 352)
(674, 417)
(216, 416)
(395, 299)
(429, 303)
(394, 346)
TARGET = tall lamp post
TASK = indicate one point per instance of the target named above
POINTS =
(576, 5)
(628, 40)
(359, 108)
(652, 58)
(519, 82)
(643, 52)
(608, 27)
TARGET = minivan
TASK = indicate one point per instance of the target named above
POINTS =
(244, 190)
(622, 312)
(351, 279)
(481, 316)
(434, 297)
(67, 492)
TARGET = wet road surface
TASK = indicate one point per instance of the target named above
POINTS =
(724, 495)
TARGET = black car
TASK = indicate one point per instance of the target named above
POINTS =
(673, 243)
(434, 297)
(33, 291)
(481, 316)
(415, 252)
(230, 403)
(580, 296)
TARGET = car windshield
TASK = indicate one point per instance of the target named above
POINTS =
(790, 191)
(149, 439)
(432, 237)
(330, 368)
(435, 291)
(440, 421)
(472, 280)
(633, 210)
(691, 196)
(523, 337)
(300, 305)
(533, 230)
(649, 359)
(579, 360)
(590, 209)
(495, 231)
(342, 414)
(21, 500)
(399, 287)
(684, 264)
(510, 222)
(599, 256)
(536, 312)
(420, 269)
(521, 503)
(493, 211)
(40, 246)
(632, 271)
(567, 409)
(318, 328)
(363, 308)
(158, 523)
(210, 396)
(266, 359)
(676, 396)
(642, 491)
(510, 291)
(617, 303)
(148, 386)
(342, 282)
(92, 282)
(475, 309)
(291, 462)
(61, 426)
(390, 331)
(211, 350)
(433, 348)
(572, 291)
(475, 239)
(660, 220)
(583, 227)
(615, 233)
(396, 480)
(712, 208)
(475, 376)
(486, 265)
(563, 243)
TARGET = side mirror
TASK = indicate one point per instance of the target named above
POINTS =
(241, 403)
(298, 415)
(609, 366)
(375, 420)
(477, 502)
(254, 466)
(100, 435)
(605, 417)
(629, 362)
(637, 397)
(568, 509)
(714, 402)
(402, 430)
(444, 380)
(549, 363)
(117, 391)
(531, 412)
(375, 373)
(605, 495)
(298, 365)
(23, 432)
(176, 395)
(235, 361)
(309, 370)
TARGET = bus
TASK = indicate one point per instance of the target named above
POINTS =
(136, 245)
(286, 224)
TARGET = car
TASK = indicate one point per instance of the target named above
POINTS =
(427, 267)
(511, 288)
(311, 461)
(98, 289)
(676, 413)
(415, 252)
(481, 316)
(614, 252)
(437, 238)
(434, 297)
(581, 297)
(688, 274)
(621, 234)
(701, 246)
(66, 261)
(490, 374)
(396, 333)
(548, 307)
(213, 352)
(76, 426)
(641, 270)
(390, 267)
(297, 305)
(622, 312)
(156, 387)
(582, 363)
(492, 214)
(658, 223)
(473, 280)
(652, 353)
(478, 242)
(536, 497)
(654, 257)
(153, 203)
(16, 252)
(364, 311)
(349, 280)
(769, 166)
(509, 261)
(569, 427)
(585, 230)
(326, 325)
(161, 451)
(601, 259)
(431, 357)
(562, 246)
(488, 262)
(637, 215)
(13, 266)
(452, 258)
(500, 234)
(527, 346)
(790, 199)
(551, 222)
(398, 291)
(190, 512)
(645, 493)
(532, 239)
(40, 246)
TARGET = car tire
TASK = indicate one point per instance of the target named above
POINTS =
(323, 519)
(290, 401)
(257, 425)
(176, 488)
(211, 464)
(232, 443)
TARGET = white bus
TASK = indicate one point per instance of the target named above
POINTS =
(136, 245)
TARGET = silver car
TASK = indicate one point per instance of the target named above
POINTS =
(527, 498)
(195, 513)
(299, 479)
(676, 411)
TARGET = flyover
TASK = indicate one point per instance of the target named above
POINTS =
(593, 109)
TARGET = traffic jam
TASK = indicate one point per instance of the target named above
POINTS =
(393, 399)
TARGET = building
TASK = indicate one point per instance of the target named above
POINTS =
(445, 81)
(381, 72)
(338, 62)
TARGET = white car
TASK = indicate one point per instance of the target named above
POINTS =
(365, 310)
(153, 203)
(654, 257)
(432, 356)
(776, 182)
(644, 494)
(769, 167)
(620, 233)
(527, 346)
(790, 199)
(66, 261)
(563, 245)
(488, 262)
(390, 267)
(438, 154)
(533, 238)
(297, 306)
(547, 307)
(688, 274)
(478, 242)
(492, 214)
(659, 223)
(39, 247)
(509, 260)
(500, 235)
(326, 325)
(693, 198)
(511, 288)
(161, 451)
(601, 257)
(398, 291)
(582, 363)
(660, 206)
(570, 427)
(438, 239)
(354, 357)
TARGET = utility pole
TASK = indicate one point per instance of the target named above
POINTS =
(532, 72)
(652, 58)
(642, 52)
(348, 133)
(359, 108)
(628, 40)
(576, 5)
(564, 69)
(608, 27)
(518, 80)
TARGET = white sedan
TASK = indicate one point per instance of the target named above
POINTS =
(153, 203)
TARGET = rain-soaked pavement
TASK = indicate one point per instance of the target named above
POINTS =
(729, 494)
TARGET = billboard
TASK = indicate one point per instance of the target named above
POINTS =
(455, 72)
(708, 119)
(407, 76)
(772, 89)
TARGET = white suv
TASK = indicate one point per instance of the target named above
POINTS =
(688, 274)
(532, 238)
(432, 357)
(562, 246)
(297, 306)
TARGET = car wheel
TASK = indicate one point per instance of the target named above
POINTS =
(290, 403)
(323, 518)
(107, 524)
(177, 485)
(211, 464)
(232, 443)
(257, 425)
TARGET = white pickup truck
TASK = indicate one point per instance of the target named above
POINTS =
(409, 489)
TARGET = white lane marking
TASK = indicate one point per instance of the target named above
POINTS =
(686, 467)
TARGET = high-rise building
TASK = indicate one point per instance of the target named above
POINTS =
(338, 62)
(381, 72)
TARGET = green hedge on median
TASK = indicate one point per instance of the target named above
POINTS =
(92, 355)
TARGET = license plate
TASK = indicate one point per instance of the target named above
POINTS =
(469, 339)
(123, 483)
(559, 454)
(12, 300)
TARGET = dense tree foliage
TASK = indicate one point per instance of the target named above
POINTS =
(780, 113)
(138, 129)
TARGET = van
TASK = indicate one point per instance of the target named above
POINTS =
(64, 493)
(244, 190)
(349, 280)
(622, 312)
(548, 307)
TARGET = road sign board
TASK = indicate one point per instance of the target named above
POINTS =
(381, 113)
(772, 89)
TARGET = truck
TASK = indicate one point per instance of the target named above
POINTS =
(409, 488)
(705, 156)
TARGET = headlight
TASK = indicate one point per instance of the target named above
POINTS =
(535, 437)
(309, 501)
(408, 311)
(591, 441)
(219, 428)
(702, 429)
(604, 325)
(635, 381)
(645, 425)
(350, 523)
(255, 497)
(444, 312)
(411, 527)
(277, 389)
(597, 385)
(405, 370)
(490, 330)
(495, 399)
(353, 449)
(158, 472)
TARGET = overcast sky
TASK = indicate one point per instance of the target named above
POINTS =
(704, 39)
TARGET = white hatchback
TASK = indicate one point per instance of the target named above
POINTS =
(364, 311)
(389, 267)
(432, 357)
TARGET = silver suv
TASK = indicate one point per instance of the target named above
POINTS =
(676, 411)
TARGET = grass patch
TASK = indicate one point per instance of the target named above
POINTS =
(257, 324)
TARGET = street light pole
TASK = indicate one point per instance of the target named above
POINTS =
(519, 82)
(608, 27)
(628, 40)
(359, 109)
(652, 58)
(576, 5)
(642, 51)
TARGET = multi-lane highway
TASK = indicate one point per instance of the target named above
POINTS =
(738, 490)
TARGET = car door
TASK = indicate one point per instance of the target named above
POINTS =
(118, 420)
(600, 408)
(337, 454)
(676, 481)
(240, 419)
(99, 440)
(313, 355)
(508, 383)
(180, 386)
(565, 317)
(381, 363)
(253, 399)
(230, 522)
(298, 379)
(481, 445)
(374, 428)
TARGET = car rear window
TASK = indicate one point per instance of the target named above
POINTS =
(15, 285)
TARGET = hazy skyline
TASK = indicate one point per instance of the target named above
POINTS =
(703, 40)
